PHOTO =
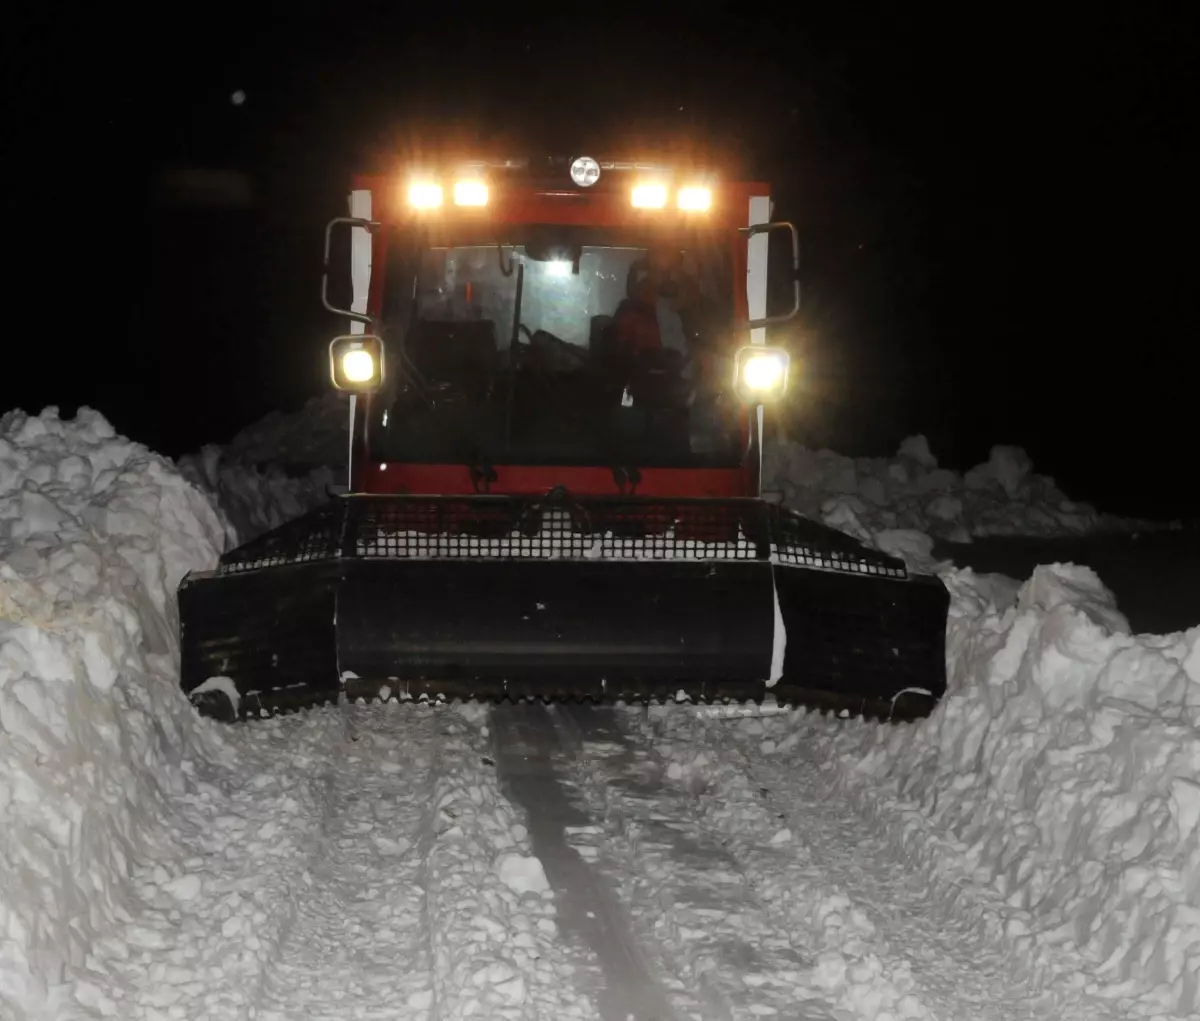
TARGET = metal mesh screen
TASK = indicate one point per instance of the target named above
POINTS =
(802, 542)
(315, 536)
(601, 528)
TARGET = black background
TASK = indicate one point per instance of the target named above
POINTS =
(997, 206)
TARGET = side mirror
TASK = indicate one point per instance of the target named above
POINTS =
(764, 228)
(356, 363)
(351, 222)
(760, 374)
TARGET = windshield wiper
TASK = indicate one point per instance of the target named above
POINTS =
(514, 340)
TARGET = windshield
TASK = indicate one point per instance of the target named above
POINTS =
(560, 348)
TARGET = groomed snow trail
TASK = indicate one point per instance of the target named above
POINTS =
(353, 933)
(357, 863)
(883, 941)
(721, 951)
(533, 863)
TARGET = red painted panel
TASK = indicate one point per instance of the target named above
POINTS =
(455, 480)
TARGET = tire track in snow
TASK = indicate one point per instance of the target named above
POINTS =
(353, 862)
(196, 945)
(532, 764)
(356, 939)
(884, 948)
(492, 916)
(693, 904)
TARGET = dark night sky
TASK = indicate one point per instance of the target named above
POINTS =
(997, 211)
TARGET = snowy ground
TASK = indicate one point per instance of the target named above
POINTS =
(400, 861)
(357, 862)
(1030, 851)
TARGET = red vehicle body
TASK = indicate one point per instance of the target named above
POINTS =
(557, 386)
(526, 198)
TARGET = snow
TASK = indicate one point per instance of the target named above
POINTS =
(255, 498)
(224, 685)
(1032, 849)
(1053, 791)
(865, 496)
(522, 873)
(135, 833)
(317, 436)
(95, 533)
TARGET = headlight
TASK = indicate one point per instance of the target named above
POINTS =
(761, 373)
(470, 193)
(358, 366)
(694, 200)
(424, 195)
(356, 362)
(649, 196)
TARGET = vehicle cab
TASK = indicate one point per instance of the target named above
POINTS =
(586, 323)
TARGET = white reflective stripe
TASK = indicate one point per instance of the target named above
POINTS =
(756, 266)
(360, 280)
(779, 643)
(756, 290)
(360, 257)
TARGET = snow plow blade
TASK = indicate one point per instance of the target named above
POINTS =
(485, 598)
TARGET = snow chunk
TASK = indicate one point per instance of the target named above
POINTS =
(522, 873)
(916, 448)
(224, 685)
(185, 888)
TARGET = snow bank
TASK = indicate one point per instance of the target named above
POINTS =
(316, 436)
(255, 498)
(1059, 780)
(865, 495)
(95, 534)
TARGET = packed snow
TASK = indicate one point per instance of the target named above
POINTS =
(1032, 849)
(867, 495)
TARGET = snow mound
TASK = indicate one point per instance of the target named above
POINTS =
(1058, 780)
(864, 496)
(316, 436)
(255, 498)
(95, 534)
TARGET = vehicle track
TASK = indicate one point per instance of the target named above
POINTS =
(209, 912)
(348, 862)
(358, 930)
(725, 953)
(883, 937)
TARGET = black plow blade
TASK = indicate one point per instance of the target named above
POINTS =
(632, 600)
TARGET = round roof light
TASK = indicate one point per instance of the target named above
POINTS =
(585, 171)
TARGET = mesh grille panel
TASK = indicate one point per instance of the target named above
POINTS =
(559, 527)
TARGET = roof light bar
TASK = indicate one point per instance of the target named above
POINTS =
(649, 196)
